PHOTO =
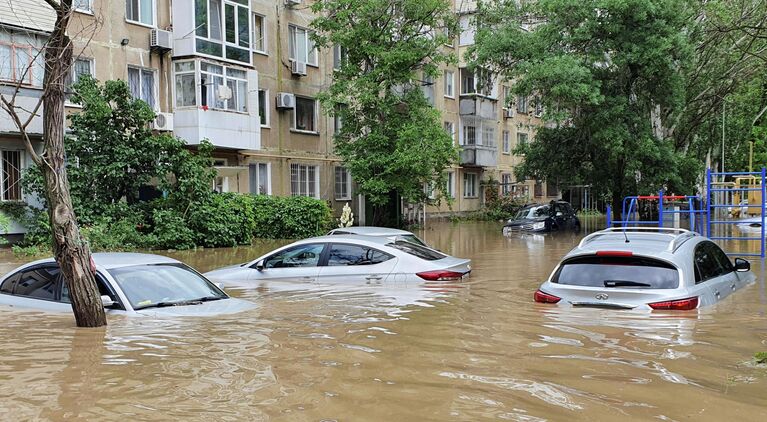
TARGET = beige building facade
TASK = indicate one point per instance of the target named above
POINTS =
(244, 74)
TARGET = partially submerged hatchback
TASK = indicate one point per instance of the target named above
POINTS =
(644, 268)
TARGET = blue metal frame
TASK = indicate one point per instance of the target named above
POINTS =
(630, 206)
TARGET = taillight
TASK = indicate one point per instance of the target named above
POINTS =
(440, 275)
(677, 305)
(541, 297)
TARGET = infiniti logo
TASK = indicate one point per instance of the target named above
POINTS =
(602, 296)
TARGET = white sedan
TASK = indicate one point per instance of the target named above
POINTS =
(347, 259)
(129, 283)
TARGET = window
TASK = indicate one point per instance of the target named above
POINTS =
(450, 129)
(538, 189)
(480, 82)
(506, 184)
(450, 188)
(19, 61)
(710, 262)
(259, 34)
(507, 98)
(185, 85)
(305, 115)
(300, 45)
(260, 178)
(141, 83)
(449, 76)
(223, 29)
(468, 84)
(467, 30)
(11, 162)
(223, 88)
(263, 107)
(304, 180)
(538, 107)
(522, 104)
(469, 134)
(9, 284)
(427, 86)
(81, 67)
(39, 283)
(621, 272)
(469, 185)
(339, 56)
(506, 142)
(297, 256)
(416, 250)
(343, 183)
(84, 5)
(355, 255)
(488, 135)
(140, 11)
(521, 138)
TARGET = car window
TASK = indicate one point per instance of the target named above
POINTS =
(341, 254)
(39, 283)
(617, 272)
(8, 284)
(103, 291)
(297, 256)
(416, 250)
(722, 258)
(707, 265)
(413, 239)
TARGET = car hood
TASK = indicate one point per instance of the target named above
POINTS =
(217, 307)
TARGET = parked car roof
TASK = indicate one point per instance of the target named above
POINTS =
(111, 260)
(369, 231)
(641, 240)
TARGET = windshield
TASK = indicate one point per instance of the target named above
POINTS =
(412, 239)
(163, 284)
(532, 212)
(618, 272)
(416, 250)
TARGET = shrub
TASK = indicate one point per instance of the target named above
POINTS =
(170, 230)
(290, 217)
(120, 235)
(225, 219)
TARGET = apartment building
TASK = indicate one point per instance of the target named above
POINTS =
(244, 74)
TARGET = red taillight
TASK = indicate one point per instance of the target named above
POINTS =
(541, 297)
(440, 275)
(677, 305)
(615, 253)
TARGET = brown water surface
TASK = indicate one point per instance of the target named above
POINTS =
(483, 350)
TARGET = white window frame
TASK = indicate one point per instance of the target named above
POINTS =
(264, 38)
(316, 180)
(35, 59)
(450, 184)
(339, 56)
(336, 184)
(427, 87)
(22, 166)
(470, 193)
(138, 22)
(91, 67)
(521, 135)
(268, 177)
(449, 84)
(293, 39)
(141, 85)
(88, 10)
(267, 111)
(451, 126)
(522, 106)
(224, 75)
(506, 142)
(316, 117)
(506, 182)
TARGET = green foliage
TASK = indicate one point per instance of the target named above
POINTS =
(226, 219)
(761, 357)
(391, 138)
(290, 217)
(170, 230)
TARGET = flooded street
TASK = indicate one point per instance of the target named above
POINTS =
(477, 350)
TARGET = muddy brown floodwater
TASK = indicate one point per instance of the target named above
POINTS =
(480, 351)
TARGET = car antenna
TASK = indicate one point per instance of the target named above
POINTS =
(626, 236)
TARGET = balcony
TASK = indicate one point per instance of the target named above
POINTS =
(479, 106)
(26, 101)
(479, 155)
(224, 129)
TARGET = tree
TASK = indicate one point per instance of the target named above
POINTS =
(391, 139)
(70, 251)
(602, 67)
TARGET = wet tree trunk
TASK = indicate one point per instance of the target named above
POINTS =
(70, 251)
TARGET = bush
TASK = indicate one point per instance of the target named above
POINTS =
(290, 217)
(226, 219)
(120, 235)
(170, 230)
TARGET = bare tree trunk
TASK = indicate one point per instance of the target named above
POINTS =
(70, 251)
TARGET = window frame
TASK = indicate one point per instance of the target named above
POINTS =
(315, 118)
(473, 190)
(707, 244)
(224, 75)
(316, 180)
(450, 184)
(449, 82)
(266, 107)
(257, 165)
(524, 135)
(155, 94)
(138, 22)
(264, 35)
(58, 282)
(347, 183)
(17, 183)
(506, 142)
(506, 181)
(87, 11)
(265, 261)
(325, 262)
(223, 42)
(292, 41)
(33, 54)
(522, 106)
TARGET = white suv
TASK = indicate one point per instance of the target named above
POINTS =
(644, 268)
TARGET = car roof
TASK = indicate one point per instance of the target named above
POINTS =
(348, 238)
(655, 242)
(110, 260)
(371, 231)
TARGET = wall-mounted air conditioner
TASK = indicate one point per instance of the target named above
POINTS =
(163, 122)
(160, 40)
(508, 113)
(286, 100)
(298, 68)
(292, 2)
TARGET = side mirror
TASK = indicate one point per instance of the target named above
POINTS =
(260, 265)
(741, 265)
(107, 301)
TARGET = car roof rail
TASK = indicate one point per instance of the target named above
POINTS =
(679, 236)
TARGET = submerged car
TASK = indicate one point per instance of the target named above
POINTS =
(347, 259)
(379, 232)
(544, 218)
(129, 283)
(644, 268)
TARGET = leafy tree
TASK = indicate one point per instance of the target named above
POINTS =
(391, 140)
(603, 69)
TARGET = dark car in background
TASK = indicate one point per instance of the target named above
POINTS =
(543, 218)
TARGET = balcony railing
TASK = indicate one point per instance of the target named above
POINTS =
(479, 155)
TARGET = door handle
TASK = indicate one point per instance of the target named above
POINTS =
(732, 286)
(373, 277)
(307, 278)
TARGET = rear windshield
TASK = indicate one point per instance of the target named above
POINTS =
(618, 272)
(416, 250)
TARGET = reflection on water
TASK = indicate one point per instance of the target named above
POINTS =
(477, 350)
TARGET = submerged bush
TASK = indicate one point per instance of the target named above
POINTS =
(227, 219)
(290, 217)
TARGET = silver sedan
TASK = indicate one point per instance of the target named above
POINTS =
(643, 268)
(347, 259)
(129, 283)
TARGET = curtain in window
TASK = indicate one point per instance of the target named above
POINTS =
(305, 114)
(263, 179)
(215, 19)
(185, 90)
(242, 96)
(131, 10)
(134, 82)
(6, 71)
(147, 88)
(81, 67)
(311, 186)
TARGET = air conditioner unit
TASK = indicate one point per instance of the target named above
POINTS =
(508, 113)
(286, 100)
(163, 122)
(298, 68)
(293, 2)
(160, 40)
